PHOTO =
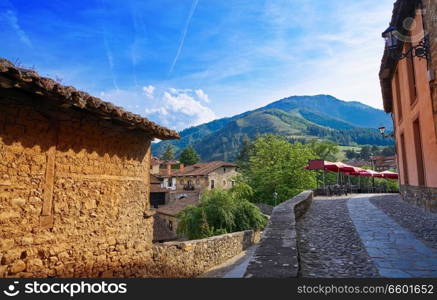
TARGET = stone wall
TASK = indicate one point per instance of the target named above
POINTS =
(277, 254)
(223, 177)
(193, 258)
(421, 196)
(73, 194)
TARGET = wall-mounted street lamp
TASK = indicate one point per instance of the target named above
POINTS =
(382, 131)
(392, 38)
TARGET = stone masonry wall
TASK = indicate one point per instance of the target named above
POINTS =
(277, 254)
(73, 194)
(193, 258)
(421, 196)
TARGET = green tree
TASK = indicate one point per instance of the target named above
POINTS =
(276, 166)
(365, 153)
(243, 156)
(189, 156)
(375, 150)
(168, 153)
(324, 149)
(388, 151)
(221, 212)
(351, 154)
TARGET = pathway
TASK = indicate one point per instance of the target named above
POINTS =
(233, 268)
(395, 251)
(361, 236)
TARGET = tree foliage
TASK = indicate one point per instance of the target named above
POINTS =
(325, 150)
(168, 153)
(221, 212)
(243, 157)
(276, 166)
(189, 156)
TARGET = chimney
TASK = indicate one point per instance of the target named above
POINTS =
(169, 169)
(181, 167)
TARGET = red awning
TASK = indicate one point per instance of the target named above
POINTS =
(390, 175)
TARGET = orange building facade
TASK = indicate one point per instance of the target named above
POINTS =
(409, 94)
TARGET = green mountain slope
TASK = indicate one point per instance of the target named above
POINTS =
(299, 118)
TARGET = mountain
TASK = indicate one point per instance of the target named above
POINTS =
(299, 118)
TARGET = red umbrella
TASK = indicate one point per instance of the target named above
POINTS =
(347, 168)
(390, 175)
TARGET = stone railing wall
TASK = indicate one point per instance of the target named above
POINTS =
(193, 258)
(277, 254)
(422, 196)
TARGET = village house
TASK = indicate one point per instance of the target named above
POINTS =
(74, 181)
(384, 163)
(409, 88)
(203, 176)
(188, 182)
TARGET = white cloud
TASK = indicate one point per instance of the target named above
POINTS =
(202, 95)
(149, 90)
(187, 107)
(11, 17)
(170, 107)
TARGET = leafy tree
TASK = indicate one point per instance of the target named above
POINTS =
(325, 150)
(243, 156)
(388, 151)
(221, 212)
(351, 154)
(365, 153)
(375, 150)
(189, 156)
(168, 153)
(276, 166)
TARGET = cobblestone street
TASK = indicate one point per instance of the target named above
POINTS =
(367, 236)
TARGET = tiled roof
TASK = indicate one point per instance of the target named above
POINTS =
(176, 206)
(200, 169)
(29, 81)
(154, 179)
(402, 9)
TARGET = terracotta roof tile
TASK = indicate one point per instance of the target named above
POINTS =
(402, 9)
(176, 206)
(199, 169)
(12, 77)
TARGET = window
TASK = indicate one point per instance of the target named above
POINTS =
(419, 153)
(170, 225)
(212, 184)
(398, 96)
(224, 170)
(411, 73)
(404, 160)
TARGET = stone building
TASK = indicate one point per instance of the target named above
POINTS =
(409, 90)
(74, 181)
(202, 176)
(167, 214)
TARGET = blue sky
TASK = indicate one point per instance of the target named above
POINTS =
(185, 62)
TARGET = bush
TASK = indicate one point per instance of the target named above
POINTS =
(221, 212)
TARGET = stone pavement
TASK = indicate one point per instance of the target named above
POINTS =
(361, 236)
(328, 243)
(233, 268)
(395, 251)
